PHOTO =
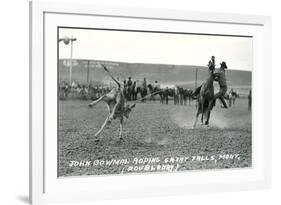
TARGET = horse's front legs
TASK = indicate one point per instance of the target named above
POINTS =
(202, 112)
(208, 113)
(196, 118)
(208, 117)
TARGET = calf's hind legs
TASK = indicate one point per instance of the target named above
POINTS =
(120, 129)
(93, 103)
(102, 127)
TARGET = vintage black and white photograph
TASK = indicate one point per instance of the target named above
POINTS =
(139, 102)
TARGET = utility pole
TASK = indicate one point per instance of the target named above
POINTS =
(88, 71)
(66, 41)
(196, 76)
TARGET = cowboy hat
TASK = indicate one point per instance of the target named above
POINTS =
(223, 64)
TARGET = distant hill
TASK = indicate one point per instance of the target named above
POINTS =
(183, 75)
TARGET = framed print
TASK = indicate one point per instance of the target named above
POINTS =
(129, 102)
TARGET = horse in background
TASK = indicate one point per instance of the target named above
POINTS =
(154, 91)
(64, 90)
(187, 95)
(130, 92)
(232, 97)
(139, 88)
(176, 94)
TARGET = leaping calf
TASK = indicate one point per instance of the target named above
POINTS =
(116, 104)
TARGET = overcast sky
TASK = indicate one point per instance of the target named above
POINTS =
(159, 48)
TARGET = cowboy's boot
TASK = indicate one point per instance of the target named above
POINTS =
(224, 103)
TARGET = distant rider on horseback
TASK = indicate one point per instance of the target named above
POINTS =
(129, 82)
(144, 83)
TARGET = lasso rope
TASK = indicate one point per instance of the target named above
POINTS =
(148, 95)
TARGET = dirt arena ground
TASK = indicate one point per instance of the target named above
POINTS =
(153, 130)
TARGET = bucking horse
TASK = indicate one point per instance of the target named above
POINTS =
(206, 99)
